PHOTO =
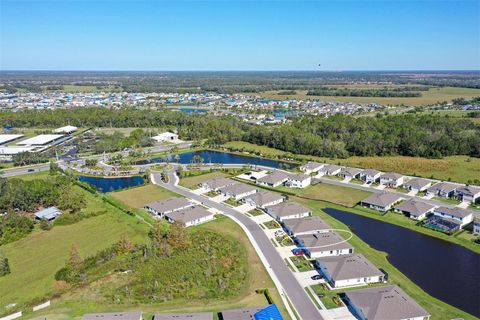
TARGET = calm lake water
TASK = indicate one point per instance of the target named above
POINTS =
(225, 158)
(445, 270)
(112, 184)
(191, 110)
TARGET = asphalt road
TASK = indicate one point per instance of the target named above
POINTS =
(24, 170)
(297, 295)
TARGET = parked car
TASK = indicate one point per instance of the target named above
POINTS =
(279, 233)
(298, 252)
(317, 277)
(31, 170)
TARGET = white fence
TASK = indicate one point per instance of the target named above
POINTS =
(41, 306)
(12, 316)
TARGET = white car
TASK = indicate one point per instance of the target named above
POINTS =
(279, 233)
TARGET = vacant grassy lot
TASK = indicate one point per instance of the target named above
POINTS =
(345, 196)
(35, 259)
(428, 97)
(193, 182)
(138, 197)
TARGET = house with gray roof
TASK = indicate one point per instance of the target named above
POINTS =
(476, 223)
(386, 302)
(184, 316)
(391, 179)
(288, 210)
(264, 199)
(135, 315)
(274, 179)
(468, 193)
(311, 166)
(323, 244)
(348, 270)
(48, 214)
(308, 225)
(443, 189)
(162, 207)
(370, 175)
(415, 209)
(329, 170)
(352, 173)
(457, 215)
(190, 216)
(269, 312)
(216, 183)
(237, 191)
(417, 184)
(299, 180)
(381, 201)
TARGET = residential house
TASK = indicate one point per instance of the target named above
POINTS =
(48, 214)
(352, 173)
(66, 130)
(162, 207)
(308, 225)
(288, 210)
(417, 210)
(370, 175)
(238, 190)
(165, 136)
(329, 170)
(274, 179)
(263, 199)
(348, 270)
(216, 183)
(443, 189)
(468, 193)
(135, 315)
(323, 244)
(190, 216)
(381, 201)
(385, 302)
(391, 179)
(299, 180)
(184, 316)
(269, 312)
(457, 215)
(476, 223)
(311, 167)
(417, 184)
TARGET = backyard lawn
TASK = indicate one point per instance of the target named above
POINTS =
(139, 196)
(193, 182)
(337, 194)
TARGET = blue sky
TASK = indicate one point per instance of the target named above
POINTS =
(239, 35)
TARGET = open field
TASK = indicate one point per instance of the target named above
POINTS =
(345, 196)
(138, 197)
(87, 299)
(437, 308)
(193, 182)
(431, 96)
(457, 168)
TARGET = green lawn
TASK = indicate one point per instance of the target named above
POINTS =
(302, 263)
(193, 182)
(139, 196)
(272, 224)
(232, 202)
(326, 296)
(337, 194)
(284, 241)
(256, 212)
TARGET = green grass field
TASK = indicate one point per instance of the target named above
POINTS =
(138, 197)
(457, 168)
(428, 97)
(345, 196)
(193, 182)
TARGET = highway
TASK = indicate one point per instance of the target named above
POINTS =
(302, 303)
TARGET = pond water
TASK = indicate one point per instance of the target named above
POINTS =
(224, 158)
(191, 110)
(112, 184)
(447, 271)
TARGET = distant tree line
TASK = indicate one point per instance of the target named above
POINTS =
(403, 92)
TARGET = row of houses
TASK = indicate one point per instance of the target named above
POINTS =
(291, 180)
(179, 210)
(395, 180)
(267, 312)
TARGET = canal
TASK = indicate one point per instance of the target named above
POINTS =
(446, 271)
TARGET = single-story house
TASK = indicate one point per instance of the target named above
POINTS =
(391, 179)
(468, 193)
(329, 170)
(370, 175)
(476, 223)
(311, 166)
(48, 214)
(443, 189)
(184, 316)
(66, 130)
(162, 207)
(381, 201)
(385, 302)
(417, 184)
(269, 312)
(460, 215)
(348, 270)
(299, 180)
(323, 244)
(238, 190)
(288, 210)
(135, 315)
(263, 199)
(216, 183)
(165, 136)
(273, 179)
(190, 216)
(417, 210)
(352, 173)
(298, 226)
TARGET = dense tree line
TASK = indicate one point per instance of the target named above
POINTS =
(404, 92)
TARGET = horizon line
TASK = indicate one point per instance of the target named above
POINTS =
(233, 70)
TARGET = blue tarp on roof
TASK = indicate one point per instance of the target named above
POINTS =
(48, 214)
(269, 313)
